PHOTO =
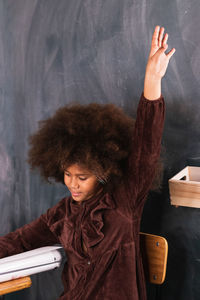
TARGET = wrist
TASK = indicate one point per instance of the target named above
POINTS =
(152, 87)
(153, 77)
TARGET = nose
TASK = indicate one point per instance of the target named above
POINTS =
(74, 183)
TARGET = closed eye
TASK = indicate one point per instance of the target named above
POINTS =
(67, 174)
(83, 178)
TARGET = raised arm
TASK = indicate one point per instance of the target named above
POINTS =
(157, 64)
(149, 122)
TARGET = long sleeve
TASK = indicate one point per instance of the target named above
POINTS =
(33, 235)
(146, 146)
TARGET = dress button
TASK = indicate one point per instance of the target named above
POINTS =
(88, 262)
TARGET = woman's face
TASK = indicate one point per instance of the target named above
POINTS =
(81, 183)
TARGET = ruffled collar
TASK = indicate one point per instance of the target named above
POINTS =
(92, 221)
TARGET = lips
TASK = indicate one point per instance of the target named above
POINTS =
(75, 194)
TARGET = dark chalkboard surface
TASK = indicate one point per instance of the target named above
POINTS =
(56, 52)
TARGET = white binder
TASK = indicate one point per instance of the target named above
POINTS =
(30, 262)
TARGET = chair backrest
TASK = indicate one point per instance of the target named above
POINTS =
(154, 253)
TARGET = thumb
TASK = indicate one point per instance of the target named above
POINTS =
(171, 53)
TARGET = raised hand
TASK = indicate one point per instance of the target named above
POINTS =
(157, 63)
(158, 59)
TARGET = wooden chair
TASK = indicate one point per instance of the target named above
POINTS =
(154, 254)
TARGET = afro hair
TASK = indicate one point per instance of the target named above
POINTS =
(95, 136)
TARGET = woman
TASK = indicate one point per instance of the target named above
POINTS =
(108, 165)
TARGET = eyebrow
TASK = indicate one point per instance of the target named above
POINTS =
(83, 174)
(79, 174)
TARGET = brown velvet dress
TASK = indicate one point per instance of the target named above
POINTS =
(101, 236)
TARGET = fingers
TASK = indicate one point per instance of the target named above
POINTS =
(159, 42)
(164, 41)
(155, 36)
(160, 37)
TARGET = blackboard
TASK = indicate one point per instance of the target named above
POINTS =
(56, 52)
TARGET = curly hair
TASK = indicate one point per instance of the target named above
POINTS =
(95, 136)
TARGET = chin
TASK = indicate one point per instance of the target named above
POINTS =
(77, 200)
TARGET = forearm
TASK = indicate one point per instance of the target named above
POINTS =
(30, 236)
(146, 146)
(152, 87)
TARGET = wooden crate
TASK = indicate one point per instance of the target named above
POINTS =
(184, 187)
